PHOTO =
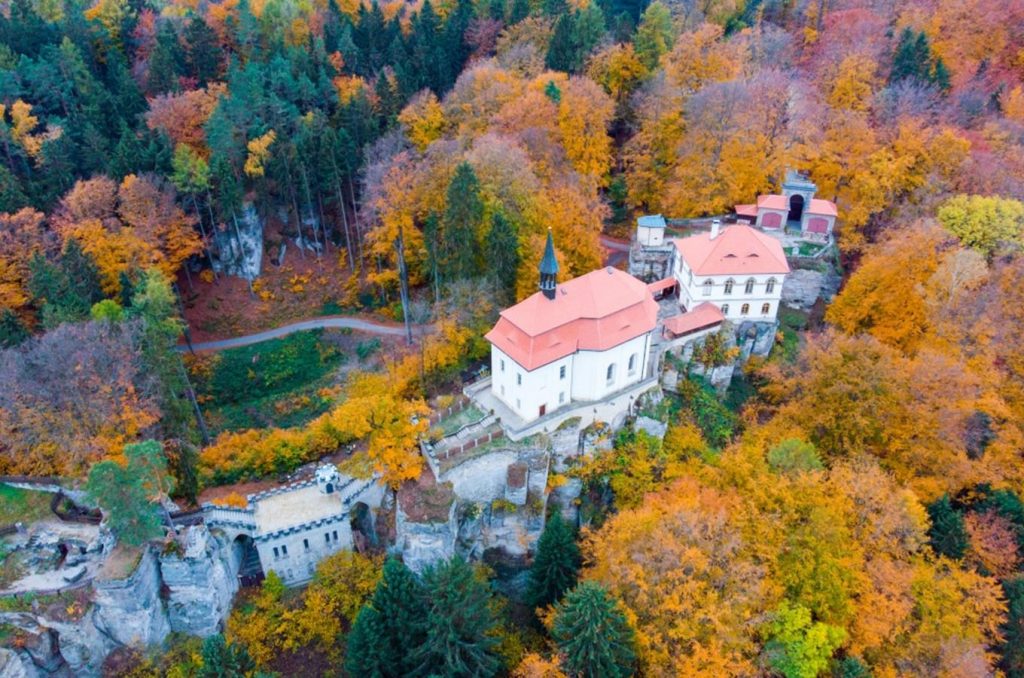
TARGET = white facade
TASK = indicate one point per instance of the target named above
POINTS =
(650, 230)
(579, 377)
(739, 298)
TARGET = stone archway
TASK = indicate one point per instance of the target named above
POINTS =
(364, 533)
(796, 207)
(250, 570)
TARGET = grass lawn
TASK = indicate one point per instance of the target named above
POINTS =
(283, 382)
(451, 424)
(23, 505)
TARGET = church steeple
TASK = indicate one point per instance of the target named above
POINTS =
(548, 269)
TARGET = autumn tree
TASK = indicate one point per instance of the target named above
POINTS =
(593, 634)
(799, 647)
(986, 223)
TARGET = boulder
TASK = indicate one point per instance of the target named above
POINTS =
(651, 427)
(14, 665)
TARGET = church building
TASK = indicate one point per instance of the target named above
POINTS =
(582, 340)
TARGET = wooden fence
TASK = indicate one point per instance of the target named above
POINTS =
(476, 442)
(455, 407)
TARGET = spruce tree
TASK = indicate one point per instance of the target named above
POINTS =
(502, 251)
(561, 51)
(12, 331)
(520, 10)
(224, 660)
(947, 534)
(204, 55)
(389, 626)
(593, 635)
(460, 250)
(556, 565)
(460, 638)
(905, 62)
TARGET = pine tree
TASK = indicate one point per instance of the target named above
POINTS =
(556, 565)
(12, 331)
(224, 660)
(520, 10)
(940, 76)
(389, 627)
(593, 635)
(66, 290)
(460, 638)
(460, 248)
(204, 55)
(502, 252)
(12, 197)
(124, 492)
(947, 534)
(561, 51)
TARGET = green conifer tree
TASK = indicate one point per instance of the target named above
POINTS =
(460, 627)
(520, 10)
(12, 331)
(389, 626)
(502, 251)
(593, 634)
(224, 660)
(460, 248)
(561, 51)
(556, 565)
(947, 533)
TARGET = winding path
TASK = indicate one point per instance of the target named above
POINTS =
(616, 248)
(314, 324)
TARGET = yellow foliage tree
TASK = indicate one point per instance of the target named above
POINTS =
(259, 153)
(423, 119)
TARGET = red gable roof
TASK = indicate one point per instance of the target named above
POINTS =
(773, 202)
(826, 207)
(738, 250)
(702, 316)
(593, 312)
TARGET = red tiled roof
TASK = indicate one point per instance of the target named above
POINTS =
(773, 202)
(738, 250)
(663, 284)
(819, 206)
(701, 317)
(593, 312)
(746, 210)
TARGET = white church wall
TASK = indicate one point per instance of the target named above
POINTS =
(525, 392)
(589, 381)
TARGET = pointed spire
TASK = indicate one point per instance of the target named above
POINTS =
(548, 269)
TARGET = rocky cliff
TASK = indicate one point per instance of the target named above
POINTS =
(186, 588)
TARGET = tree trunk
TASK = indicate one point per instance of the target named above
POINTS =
(403, 277)
(202, 231)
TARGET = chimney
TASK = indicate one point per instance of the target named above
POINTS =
(716, 227)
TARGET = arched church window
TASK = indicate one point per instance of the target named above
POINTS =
(744, 309)
(707, 288)
(610, 375)
(632, 363)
